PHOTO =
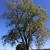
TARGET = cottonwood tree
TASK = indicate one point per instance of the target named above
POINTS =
(28, 20)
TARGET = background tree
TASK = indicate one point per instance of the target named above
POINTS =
(28, 20)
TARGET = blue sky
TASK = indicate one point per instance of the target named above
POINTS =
(3, 29)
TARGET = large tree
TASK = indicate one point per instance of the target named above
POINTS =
(28, 20)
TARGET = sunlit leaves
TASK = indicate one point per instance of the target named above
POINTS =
(27, 19)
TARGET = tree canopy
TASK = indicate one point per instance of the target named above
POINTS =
(28, 20)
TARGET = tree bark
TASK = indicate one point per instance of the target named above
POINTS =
(27, 47)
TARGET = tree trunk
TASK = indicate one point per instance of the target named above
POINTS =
(27, 47)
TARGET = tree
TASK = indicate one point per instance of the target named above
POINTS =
(28, 20)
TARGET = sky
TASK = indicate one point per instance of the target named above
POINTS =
(3, 29)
